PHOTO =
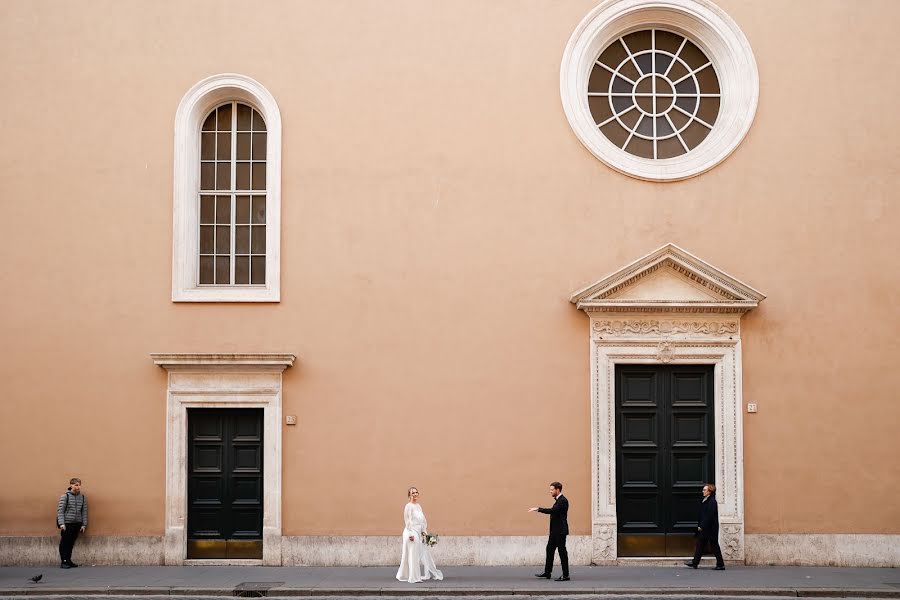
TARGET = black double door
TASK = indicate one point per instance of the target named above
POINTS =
(225, 483)
(665, 452)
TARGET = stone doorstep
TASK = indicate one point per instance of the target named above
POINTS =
(418, 591)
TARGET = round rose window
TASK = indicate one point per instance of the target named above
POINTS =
(654, 94)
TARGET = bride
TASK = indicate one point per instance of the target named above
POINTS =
(416, 555)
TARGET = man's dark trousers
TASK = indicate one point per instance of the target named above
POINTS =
(67, 539)
(557, 542)
(713, 544)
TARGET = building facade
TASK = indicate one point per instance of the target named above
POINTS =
(268, 267)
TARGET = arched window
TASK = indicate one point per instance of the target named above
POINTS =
(227, 193)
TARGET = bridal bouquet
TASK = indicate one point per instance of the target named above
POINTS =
(429, 539)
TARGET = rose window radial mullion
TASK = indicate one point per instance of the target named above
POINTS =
(654, 94)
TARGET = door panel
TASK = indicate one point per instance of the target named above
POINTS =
(225, 483)
(664, 455)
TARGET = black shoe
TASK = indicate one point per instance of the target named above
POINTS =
(563, 578)
(690, 564)
(73, 565)
(719, 568)
(544, 575)
(65, 565)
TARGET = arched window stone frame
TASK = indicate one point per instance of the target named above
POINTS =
(706, 25)
(195, 105)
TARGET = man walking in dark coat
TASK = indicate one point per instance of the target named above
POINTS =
(71, 518)
(559, 529)
(708, 529)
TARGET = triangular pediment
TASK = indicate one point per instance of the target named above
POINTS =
(669, 279)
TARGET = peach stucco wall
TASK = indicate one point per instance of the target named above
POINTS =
(437, 213)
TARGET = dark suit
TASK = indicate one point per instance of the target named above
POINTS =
(559, 529)
(708, 530)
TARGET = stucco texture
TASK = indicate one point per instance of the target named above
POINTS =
(437, 211)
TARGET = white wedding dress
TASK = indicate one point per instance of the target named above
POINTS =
(416, 556)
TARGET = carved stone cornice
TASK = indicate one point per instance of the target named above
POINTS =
(207, 361)
(664, 327)
(721, 292)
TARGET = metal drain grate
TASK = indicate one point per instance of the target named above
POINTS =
(254, 589)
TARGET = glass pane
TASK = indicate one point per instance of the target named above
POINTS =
(242, 176)
(242, 209)
(645, 127)
(709, 83)
(243, 117)
(225, 118)
(600, 109)
(630, 118)
(686, 87)
(242, 269)
(207, 176)
(259, 209)
(669, 148)
(207, 240)
(206, 269)
(223, 269)
(645, 86)
(613, 55)
(614, 133)
(210, 123)
(620, 86)
(258, 270)
(259, 146)
(207, 209)
(692, 55)
(640, 147)
(694, 134)
(686, 103)
(259, 239)
(207, 146)
(258, 123)
(223, 176)
(668, 41)
(223, 209)
(223, 239)
(678, 119)
(677, 71)
(645, 103)
(662, 62)
(663, 128)
(709, 110)
(223, 146)
(645, 62)
(630, 71)
(259, 176)
(621, 103)
(637, 41)
(242, 240)
(243, 146)
(599, 81)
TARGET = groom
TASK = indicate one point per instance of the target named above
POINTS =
(559, 529)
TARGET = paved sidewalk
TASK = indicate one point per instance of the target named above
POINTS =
(469, 581)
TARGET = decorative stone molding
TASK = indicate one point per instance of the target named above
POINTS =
(732, 536)
(195, 105)
(666, 278)
(222, 381)
(713, 31)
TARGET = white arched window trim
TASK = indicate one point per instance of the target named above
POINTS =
(195, 105)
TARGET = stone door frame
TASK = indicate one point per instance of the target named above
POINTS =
(688, 313)
(222, 381)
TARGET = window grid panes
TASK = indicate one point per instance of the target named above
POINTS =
(654, 94)
(232, 197)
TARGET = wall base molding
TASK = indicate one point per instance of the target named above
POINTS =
(835, 550)
(20, 551)
(823, 549)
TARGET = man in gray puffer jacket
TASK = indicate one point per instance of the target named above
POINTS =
(71, 518)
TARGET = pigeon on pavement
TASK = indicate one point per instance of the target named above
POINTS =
(36, 578)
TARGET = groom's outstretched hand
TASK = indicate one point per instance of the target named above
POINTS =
(533, 509)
